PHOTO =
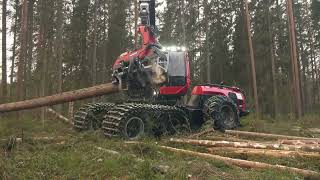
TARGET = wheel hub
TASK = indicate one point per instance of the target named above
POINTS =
(134, 128)
(227, 115)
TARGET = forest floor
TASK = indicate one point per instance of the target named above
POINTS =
(73, 155)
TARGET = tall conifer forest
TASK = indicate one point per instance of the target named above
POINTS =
(49, 47)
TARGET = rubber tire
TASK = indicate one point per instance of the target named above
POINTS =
(213, 108)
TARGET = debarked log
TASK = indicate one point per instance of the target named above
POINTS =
(265, 135)
(70, 96)
(245, 163)
(262, 152)
(255, 145)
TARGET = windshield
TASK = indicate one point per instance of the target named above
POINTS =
(177, 65)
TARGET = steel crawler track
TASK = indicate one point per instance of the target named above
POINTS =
(156, 119)
(90, 116)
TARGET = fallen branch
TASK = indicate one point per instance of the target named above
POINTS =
(264, 135)
(244, 163)
(20, 140)
(254, 145)
(264, 152)
(59, 116)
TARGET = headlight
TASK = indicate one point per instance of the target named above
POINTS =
(239, 96)
(174, 49)
(155, 93)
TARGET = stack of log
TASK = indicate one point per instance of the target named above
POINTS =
(232, 143)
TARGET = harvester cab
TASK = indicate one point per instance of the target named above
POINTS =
(177, 72)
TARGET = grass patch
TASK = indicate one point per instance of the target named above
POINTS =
(77, 157)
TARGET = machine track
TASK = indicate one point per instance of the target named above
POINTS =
(132, 121)
(90, 116)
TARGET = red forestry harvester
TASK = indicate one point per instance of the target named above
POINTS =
(156, 79)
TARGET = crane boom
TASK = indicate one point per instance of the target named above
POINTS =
(148, 12)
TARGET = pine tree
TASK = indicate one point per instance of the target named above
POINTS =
(253, 67)
(30, 44)
(4, 51)
(14, 54)
(117, 32)
(23, 51)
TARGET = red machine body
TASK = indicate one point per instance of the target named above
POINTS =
(234, 93)
(148, 38)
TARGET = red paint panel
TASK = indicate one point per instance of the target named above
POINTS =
(174, 90)
(223, 91)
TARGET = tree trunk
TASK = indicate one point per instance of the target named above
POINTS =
(303, 63)
(313, 67)
(183, 24)
(295, 66)
(105, 45)
(273, 66)
(14, 47)
(253, 63)
(304, 82)
(28, 80)
(136, 14)
(94, 53)
(4, 51)
(59, 46)
(42, 51)
(23, 50)
(318, 75)
(207, 43)
(91, 92)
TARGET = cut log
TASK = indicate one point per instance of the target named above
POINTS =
(299, 142)
(314, 130)
(263, 152)
(285, 142)
(238, 162)
(255, 145)
(264, 135)
(59, 116)
(244, 163)
(91, 92)
(232, 139)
